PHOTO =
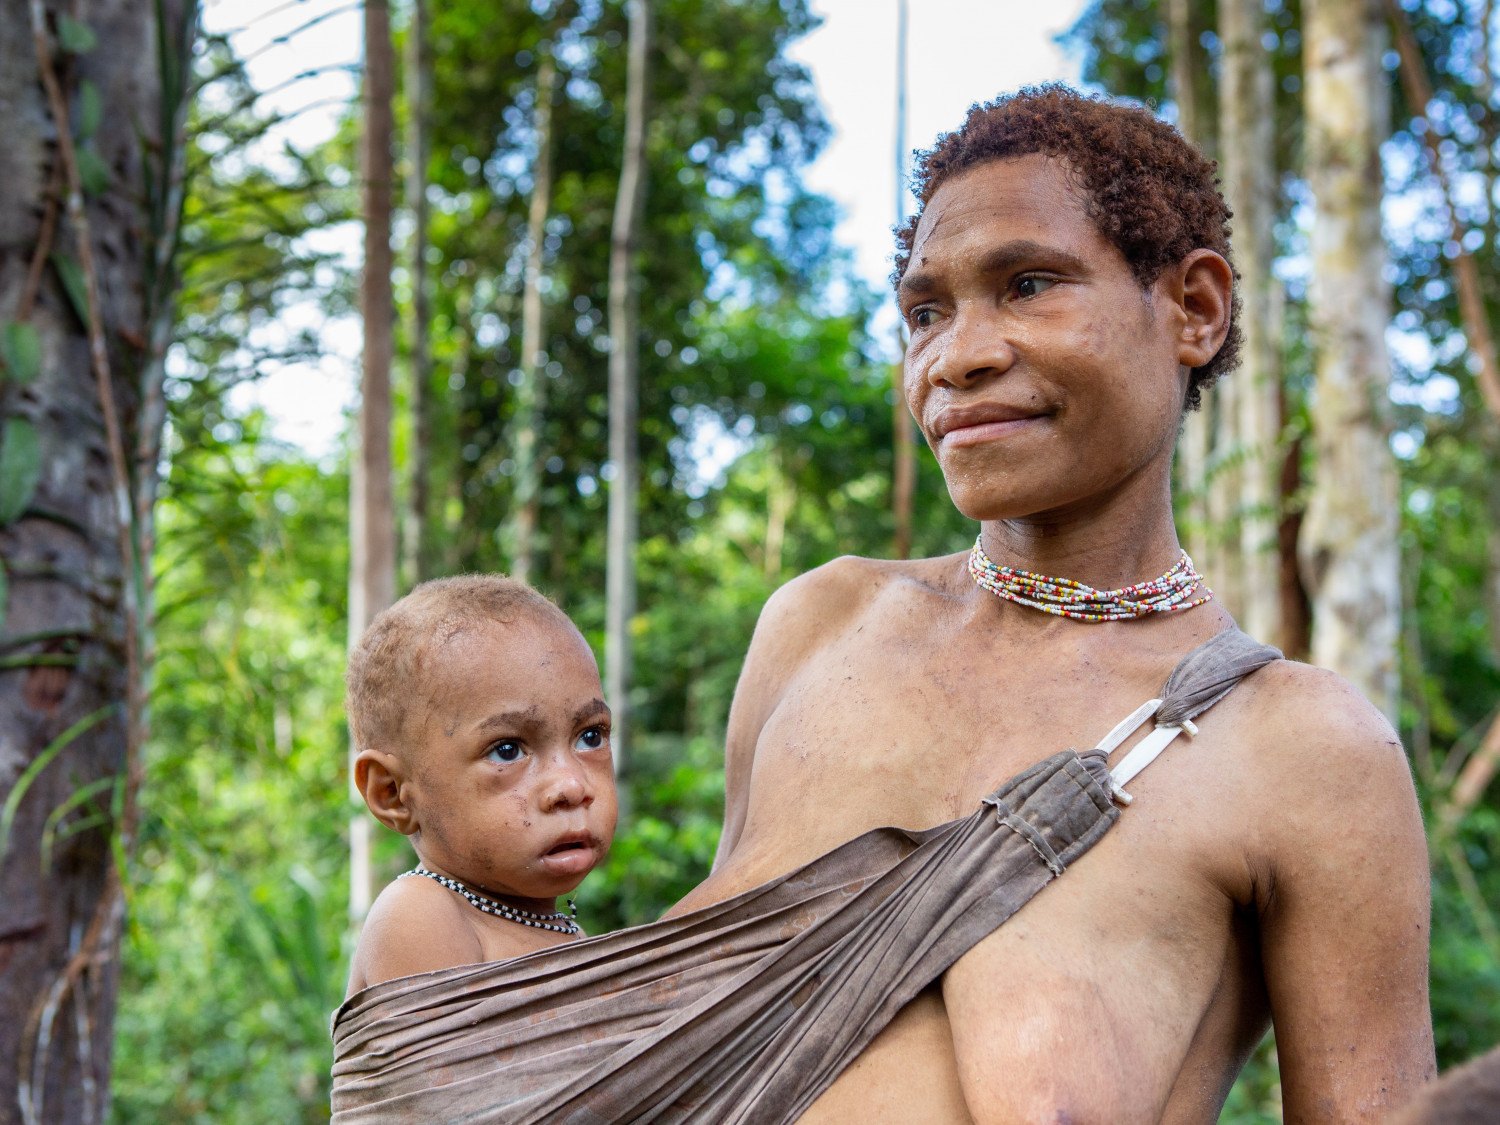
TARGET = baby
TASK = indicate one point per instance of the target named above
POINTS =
(482, 734)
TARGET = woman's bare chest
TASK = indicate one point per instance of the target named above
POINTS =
(915, 734)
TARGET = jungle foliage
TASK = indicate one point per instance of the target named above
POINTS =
(755, 343)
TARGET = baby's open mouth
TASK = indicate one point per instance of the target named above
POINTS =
(572, 857)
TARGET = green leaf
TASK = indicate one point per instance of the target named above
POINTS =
(20, 467)
(71, 274)
(75, 37)
(20, 351)
(50, 829)
(90, 110)
(38, 764)
(93, 173)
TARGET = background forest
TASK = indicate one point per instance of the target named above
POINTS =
(768, 444)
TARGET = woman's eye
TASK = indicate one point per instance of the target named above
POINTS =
(591, 739)
(507, 750)
(1031, 286)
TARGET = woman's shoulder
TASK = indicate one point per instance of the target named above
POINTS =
(852, 582)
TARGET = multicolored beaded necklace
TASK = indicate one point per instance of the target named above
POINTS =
(1065, 598)
(560, 922)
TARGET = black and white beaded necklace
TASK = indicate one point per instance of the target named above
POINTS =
(562, 922)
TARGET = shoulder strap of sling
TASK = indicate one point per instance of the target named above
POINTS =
(1202, 678)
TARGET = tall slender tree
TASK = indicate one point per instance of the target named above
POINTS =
(1349, 551)
(531, 392)
(372, 522)
(418, 78)
(1246, 116)
(624, 387)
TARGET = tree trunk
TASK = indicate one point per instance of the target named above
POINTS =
(624, 391)
(418, 109)
(1295, 635)
(531, 393)
(81, 402)
(1350, 558)
(1246, 107)
(1181, 71)
(372, 516)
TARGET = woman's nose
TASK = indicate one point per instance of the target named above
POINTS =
(971, 346)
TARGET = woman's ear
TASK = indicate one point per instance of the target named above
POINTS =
(380, 778)
(1204, 290)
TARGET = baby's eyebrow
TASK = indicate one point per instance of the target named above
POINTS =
(509, 719)
(591, 709)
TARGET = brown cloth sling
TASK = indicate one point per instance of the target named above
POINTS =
(747, 1010)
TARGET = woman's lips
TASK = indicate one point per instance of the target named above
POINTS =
(571, 858)
(986, 431)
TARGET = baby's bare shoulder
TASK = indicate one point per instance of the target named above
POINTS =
(415, 926)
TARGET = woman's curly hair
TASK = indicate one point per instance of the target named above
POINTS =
(1149, 191)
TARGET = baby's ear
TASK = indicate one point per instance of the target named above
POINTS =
(378, 775)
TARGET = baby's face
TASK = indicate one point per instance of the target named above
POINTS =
(512, 781)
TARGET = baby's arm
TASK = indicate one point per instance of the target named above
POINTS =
(415, 926)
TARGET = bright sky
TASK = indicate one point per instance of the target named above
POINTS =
(959, 52)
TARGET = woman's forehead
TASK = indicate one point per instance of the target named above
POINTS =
(1026, 199)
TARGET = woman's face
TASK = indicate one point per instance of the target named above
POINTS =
(1044, 377)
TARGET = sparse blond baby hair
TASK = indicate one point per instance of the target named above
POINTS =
(385, 682)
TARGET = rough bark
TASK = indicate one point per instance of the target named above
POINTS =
(372, 516)
(531, 392)
(418, 109)
(1350, 558)
(624, 390)
(1249, 177)
(67, 637)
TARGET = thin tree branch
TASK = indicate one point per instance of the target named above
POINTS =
(44, 238)
(1418, 87)
(1475, 777)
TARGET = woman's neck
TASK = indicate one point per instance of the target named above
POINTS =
(1125, 540)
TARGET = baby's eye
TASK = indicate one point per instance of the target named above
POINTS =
(591, 739)
(506, 750)
(1031, 285)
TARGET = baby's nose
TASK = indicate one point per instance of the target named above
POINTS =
(567, 788)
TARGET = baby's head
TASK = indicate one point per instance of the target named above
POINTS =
(482, 734)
